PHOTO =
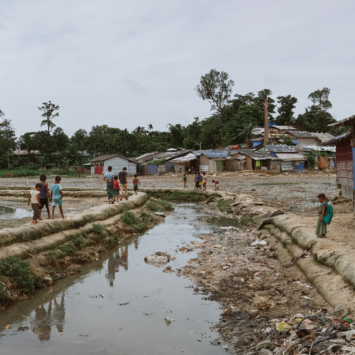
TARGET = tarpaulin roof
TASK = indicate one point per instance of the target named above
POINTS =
(294, 156)
(185, 159)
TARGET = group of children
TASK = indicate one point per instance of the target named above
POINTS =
(41, 195)
(200, 182)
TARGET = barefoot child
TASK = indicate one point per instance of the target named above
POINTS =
(184, 179)
(135, 183)
(44, 196)
(116, 186)
(321, 229)
(57, 196)
(35, 203)
(216, 184)
(204, 181)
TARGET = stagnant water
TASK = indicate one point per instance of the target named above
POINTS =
(118, 305)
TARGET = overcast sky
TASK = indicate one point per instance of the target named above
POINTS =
(132, 63)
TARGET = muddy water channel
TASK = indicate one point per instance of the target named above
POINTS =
(118, 305)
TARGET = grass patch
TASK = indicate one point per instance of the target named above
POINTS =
(4, 296)
(178, 196)
(19, 271)
(98, 229)
(78, 239)
(67, 249)
(245, 220)
(224, 205)
(159, 206)
(135, 223)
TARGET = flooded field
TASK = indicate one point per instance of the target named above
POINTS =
(121, 305)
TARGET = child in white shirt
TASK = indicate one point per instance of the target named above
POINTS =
(35, 202)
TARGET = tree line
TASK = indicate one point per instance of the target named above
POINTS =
(232, 120)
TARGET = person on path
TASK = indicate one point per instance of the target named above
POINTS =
(321, 229)
(136, 182)
(57, 196)
(184, 179)
(204, 181)
(35, 203)
(123, 181)
(216, 184)
(44, 197)
(116, 186)
(111, 192)
(200, 180)
(197, 183)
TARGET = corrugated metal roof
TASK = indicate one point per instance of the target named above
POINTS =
(337, 139)
(185, 158)
(345, 122)
(291, 157)
(213, 154)
(283, 128)
(280, 148)
(303, 134)
(110, 156)
(257, 155)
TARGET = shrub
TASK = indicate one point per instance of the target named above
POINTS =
(19, 270)
(98, 229)
(224, 205)
(129, 218)
(67, 249)
(152, 206)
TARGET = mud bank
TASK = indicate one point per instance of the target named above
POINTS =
(48, 227)
(326, 263)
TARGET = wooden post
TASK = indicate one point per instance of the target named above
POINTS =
(266, 124)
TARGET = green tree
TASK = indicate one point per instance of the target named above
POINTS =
(61, 139)
(177, 135)
(7, 142)
(317, 118)
(49, 114)
(285, 110)
(79, 139)
(215, 87)
(193, 134)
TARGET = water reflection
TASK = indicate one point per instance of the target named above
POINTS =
(14, 213)
(46, 316)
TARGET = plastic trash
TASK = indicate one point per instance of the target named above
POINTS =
(283, 327)
(168, 321)
(259, 242)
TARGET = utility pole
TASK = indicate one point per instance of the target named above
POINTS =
(266, 124)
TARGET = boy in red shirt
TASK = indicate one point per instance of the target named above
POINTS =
(116, 186)
(216, 184)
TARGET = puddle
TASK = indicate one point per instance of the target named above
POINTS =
(14, 213)
(223, 222)
(118, 305)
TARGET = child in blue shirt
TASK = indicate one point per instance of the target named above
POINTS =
(56, 196)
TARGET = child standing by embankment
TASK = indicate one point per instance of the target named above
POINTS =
(44, 196)
(184, 179)
(57, 196)
(35, 203)
(116, 186)
(325, 215)
(136, 182)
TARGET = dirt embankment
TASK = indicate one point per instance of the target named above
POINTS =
(29, 265)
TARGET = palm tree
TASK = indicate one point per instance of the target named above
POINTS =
(246, 131)
(48, 112)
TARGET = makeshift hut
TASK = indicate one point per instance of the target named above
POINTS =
(260, 161)
(345, 150)
(211, 161)
(100, 164)
(182, 164)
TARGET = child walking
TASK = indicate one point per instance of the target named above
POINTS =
(184, 179)
(216, 184)
(57, 196)
(35, 203)
(44, 196)
(321, 229)
(135, 183)
(116, 186)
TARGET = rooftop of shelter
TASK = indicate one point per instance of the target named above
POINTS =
(350, 121)
(110, 156)
(213, 154)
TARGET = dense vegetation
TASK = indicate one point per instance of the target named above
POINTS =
(232, 119)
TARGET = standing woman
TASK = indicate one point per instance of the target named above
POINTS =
(111, 192)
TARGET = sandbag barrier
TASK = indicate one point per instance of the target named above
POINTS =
(329, 268)
(31, 232)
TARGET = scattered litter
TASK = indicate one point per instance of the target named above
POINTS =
(168, 321)
(259, 242)
(124, 304)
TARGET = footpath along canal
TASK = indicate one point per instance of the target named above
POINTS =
(120, 304)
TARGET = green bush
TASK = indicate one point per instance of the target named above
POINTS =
(137, 224)
(67, 249)
(224, 205)
(311, 161)
(152, 206)
(78, 240)
(129, 218)
(98, 229)
(19, 270)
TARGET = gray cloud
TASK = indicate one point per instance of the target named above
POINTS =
(133, 63)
